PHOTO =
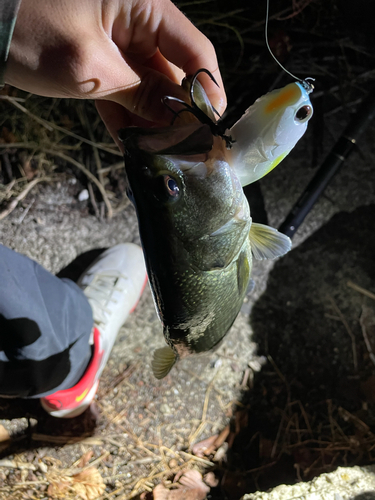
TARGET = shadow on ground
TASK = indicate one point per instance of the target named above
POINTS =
(312, 406)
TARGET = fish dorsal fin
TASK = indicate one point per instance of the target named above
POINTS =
(267, 242)
(164, 359)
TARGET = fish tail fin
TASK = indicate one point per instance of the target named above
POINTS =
(267, 242)
(163, 361)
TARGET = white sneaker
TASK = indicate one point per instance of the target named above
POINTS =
(113, 285)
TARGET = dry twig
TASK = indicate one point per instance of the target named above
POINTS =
(52, 126)
(361, 290)
(348, 329)
(88, 174)
(365, 336)
(13, 204)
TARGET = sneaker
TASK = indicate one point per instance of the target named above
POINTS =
(113, 285)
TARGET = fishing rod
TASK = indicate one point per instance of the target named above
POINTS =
(330, 166)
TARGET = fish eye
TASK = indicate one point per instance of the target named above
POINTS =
(303, 114)
(172, 186)
(167, 189)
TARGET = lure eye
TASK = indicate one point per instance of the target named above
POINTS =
(303, 113)
(172, 186)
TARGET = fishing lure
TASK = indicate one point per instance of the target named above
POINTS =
(268, 130)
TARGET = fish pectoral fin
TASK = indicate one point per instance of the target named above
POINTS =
(267, 242)
(243, 272)
(163, 361)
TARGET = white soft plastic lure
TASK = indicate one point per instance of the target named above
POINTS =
(271, 127)
(268, 131)
(264, 135)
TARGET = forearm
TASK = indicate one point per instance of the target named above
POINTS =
(8, 16)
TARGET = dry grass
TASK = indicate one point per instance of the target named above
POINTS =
(46, 140)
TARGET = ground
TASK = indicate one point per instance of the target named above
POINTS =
(292, 386)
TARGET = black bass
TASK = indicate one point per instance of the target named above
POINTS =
(195, 226)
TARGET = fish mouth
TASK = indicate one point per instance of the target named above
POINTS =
(190, 139)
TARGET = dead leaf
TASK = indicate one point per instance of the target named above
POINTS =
(217, 445)
(88, 484)
(200, 449)
(30, 171)
(211, 480)
(222, 436)
(60, 488)
(188, 485)
(162, 493)
(193, 479)
(85, 459)
(7, 136)
(4, 434)
(220, 453)
(66, 122)
(266, 447)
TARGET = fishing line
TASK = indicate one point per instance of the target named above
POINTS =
(309, 87)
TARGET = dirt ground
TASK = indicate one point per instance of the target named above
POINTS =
(134, 408)
(291, 387)
(290, 329)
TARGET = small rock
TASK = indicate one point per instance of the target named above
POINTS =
(83, 195)
(217, 363)
(164, 408)
(42, 467)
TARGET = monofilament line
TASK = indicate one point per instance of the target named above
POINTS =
(269, 48)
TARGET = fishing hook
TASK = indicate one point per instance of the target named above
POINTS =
(216, 127)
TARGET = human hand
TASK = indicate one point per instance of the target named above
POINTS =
(127, 54)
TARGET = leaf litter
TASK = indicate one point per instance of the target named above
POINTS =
(45, 141)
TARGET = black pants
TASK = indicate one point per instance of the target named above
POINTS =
(45, 326)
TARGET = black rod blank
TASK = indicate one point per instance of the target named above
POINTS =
(330, 165)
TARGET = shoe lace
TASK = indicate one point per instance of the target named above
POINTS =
(100, 292)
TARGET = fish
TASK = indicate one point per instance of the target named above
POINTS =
(198, 237)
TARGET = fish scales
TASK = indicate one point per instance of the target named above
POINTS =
(197, 234)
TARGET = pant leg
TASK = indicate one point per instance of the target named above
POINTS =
(45, 326)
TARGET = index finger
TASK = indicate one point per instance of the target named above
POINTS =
(188, 48)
